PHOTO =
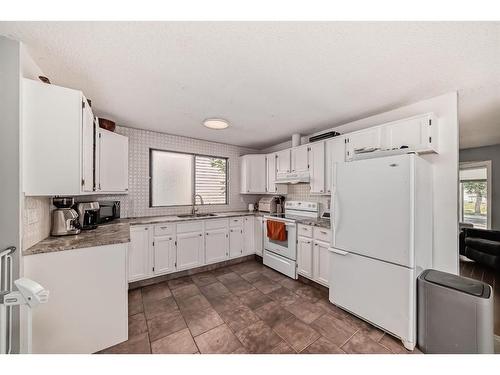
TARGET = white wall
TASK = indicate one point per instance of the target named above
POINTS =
(444, 164)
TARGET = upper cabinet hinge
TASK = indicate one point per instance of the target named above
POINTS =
(83, 103)
(175, 243)
(153, 243)
(430, 139)
(430, 122)
(83, 181)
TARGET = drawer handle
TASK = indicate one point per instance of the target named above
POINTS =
(323, 232)
(163, 227)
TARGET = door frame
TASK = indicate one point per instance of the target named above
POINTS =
(474, 165)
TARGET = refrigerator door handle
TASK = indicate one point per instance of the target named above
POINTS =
(339, 252)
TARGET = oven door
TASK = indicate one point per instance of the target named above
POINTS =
(288, 248)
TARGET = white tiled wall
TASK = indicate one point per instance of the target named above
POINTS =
(36, 220)
(300, 192)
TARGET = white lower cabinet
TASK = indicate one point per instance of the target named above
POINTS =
(313, 259)
(235, 242)
(164, 255)
(165, 248)
(189, 250)
(305, 257)
(248, 235)
(321, 262)
(259, 235)
(216, 245)
(139, 253)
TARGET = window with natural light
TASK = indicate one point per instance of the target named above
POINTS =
(176, 178)
(474, 196)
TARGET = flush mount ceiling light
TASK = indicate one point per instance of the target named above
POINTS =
(216, 123)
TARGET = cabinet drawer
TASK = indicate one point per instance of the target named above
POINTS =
(322, 234)
(235, 221)
(305, 230)
(216, 224)
(164, 229)
(196, 226)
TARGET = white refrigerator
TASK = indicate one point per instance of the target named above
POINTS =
(382, 240)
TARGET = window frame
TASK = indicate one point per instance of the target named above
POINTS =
(463, 165)
(193, 176)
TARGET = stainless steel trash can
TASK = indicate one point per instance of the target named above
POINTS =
(455, 314)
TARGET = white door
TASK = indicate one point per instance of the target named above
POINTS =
(317, 168)
(235, 242)
(379, 292)
(257, 173)
(189, 250)
(164, 255)
(139, 253)
(305, 257)
(412, 133)
(283, 161)
(363, 139)
(300, 158)
(259, 233)
(113, 162)
(372, 208)
(321, 262)
(216, 245)
(334, 153)
(271, 173)
(87, 147)
(248, 235)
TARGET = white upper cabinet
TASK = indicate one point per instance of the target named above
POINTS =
(253, 174)
(271, 187)
(58, 145)
(416, 133)
(111, 162)
(334, 153)
(365, 139)
(56, 125)
(300, 158)
(317, 167)
(283, 164)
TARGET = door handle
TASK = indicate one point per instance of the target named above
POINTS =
(337, 251)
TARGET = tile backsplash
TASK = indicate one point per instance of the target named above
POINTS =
(301, 192)
(36, 220)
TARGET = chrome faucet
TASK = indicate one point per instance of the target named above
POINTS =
(193, 210)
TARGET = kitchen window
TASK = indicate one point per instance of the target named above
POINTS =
(176, 178)
(475, 190)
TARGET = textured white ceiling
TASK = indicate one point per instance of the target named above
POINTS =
(270, 79)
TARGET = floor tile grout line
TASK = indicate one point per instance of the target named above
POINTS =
(358, 330)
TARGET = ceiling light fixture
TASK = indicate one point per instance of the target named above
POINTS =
(216, 123)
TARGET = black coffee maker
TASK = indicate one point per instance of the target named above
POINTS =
(88, 214)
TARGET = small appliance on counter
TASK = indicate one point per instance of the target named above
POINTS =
(273, 205)
(64, 218)
(88, 214)
(108, 210)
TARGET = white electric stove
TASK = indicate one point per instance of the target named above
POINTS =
(282, 255)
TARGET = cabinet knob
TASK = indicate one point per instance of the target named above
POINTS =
(200, 234)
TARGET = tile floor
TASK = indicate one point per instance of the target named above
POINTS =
(245, 308)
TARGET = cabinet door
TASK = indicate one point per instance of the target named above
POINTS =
(300, 158)
(283, 161)
(189, 250)
(257, 174)
(113, 162)
(87, 147)
(248, 235)
(139, 254)
(235, 242)
(413, 133)
(163, 255)
(271, 173)
(317, 160)
(304, 257)
(259, 235)
(321, 263)
(334, 153)
(216, 245)
(369, 138)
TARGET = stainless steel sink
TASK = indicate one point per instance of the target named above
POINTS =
(195, 215)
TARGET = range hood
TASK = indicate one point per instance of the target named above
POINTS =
(292, 177)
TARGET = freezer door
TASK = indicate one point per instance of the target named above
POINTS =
(373, 213)
(379, 292)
